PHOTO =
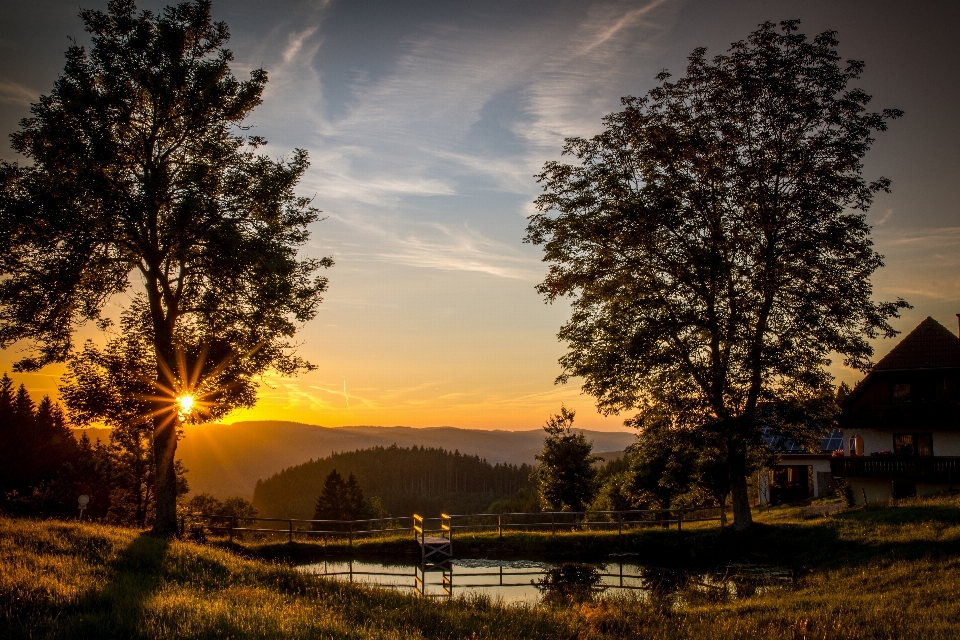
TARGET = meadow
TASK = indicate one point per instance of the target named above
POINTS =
(864, 573)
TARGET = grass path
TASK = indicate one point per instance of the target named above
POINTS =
(891, 573)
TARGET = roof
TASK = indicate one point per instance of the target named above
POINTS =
(930, 346)
(780, 444)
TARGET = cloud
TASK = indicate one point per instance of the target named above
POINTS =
(18, 94)
(408, 132)
(920, 263)
(438, 246)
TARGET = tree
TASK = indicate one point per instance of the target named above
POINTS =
(662, 461)
(565, 476)
(138, 180)
(714, 242)
(340, 499)
(353, 502)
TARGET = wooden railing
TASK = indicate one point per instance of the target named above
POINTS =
(444, 526)
(230, 525)
(554, 521)
(894, 467)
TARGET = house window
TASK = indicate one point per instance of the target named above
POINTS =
(913, 444)
(856, 445)
(901, 392)
(946, 391)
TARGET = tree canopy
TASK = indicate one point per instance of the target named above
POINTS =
(140, 179)
(714, 243)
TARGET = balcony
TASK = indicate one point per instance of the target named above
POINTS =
(916, 415)
(910, 468)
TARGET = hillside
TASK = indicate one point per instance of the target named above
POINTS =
(228, 459)
(405, 479)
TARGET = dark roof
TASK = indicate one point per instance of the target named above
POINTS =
(781, 444)
(930, 346)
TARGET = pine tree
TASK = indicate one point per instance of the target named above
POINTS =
(330, 501)
(353, 499)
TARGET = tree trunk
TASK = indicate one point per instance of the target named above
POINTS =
(165, 492)
(742, 517)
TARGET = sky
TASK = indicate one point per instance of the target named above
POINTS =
(426, 122)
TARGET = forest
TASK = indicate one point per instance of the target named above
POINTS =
(44, 469)
(406, 480)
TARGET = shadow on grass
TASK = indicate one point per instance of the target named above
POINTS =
(116, 610)
(910, 514)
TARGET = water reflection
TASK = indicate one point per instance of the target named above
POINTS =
(534, 582)
(570, 583)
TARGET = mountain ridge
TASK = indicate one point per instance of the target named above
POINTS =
(227, 459)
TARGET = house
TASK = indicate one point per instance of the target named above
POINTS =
(901, 424)
(799, 475)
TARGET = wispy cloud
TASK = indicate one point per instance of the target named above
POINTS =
(439, 246)
(18, 94)
(921, 262)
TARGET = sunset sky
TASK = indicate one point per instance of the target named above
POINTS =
(426, 122)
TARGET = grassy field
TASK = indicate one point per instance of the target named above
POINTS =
(874, 573)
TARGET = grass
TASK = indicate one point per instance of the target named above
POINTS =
(867, 573)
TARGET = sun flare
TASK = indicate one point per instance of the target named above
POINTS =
(184, 405)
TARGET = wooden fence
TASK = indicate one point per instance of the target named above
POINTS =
(446, 525)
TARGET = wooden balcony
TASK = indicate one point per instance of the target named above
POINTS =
(909, 468)
(920, 416)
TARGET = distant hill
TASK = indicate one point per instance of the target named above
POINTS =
(405, 479)
(228, 459)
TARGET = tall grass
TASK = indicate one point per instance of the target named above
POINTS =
(892, 573)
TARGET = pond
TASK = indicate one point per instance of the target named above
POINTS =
(533, 582)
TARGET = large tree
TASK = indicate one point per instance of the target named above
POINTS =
(140, 179)
(714, 243)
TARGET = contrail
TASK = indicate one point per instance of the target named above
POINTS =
(345, 396)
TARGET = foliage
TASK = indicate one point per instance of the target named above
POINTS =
(714, 242)
(45, 469)
(565, 475)
(235, 507)
(526, 500)
(340, 499)
(663, 459)
(404, 481)
(138, 177)
(37, 450)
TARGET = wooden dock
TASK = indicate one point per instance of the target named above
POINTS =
(434, 549)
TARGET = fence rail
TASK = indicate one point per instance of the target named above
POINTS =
(444, 526)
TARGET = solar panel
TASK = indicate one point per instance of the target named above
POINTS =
(779, 443)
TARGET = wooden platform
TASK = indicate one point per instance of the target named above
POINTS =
(434, 550)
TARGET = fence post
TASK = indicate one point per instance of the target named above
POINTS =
(679, 521)
(553, 523)
(291, 531)
(351, 544)
(619, 524)
(500, 526)
(864, 492)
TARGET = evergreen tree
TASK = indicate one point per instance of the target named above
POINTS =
(565, 476)
(331, 498)
(353, 503)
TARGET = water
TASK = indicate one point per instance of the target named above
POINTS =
(533, 582)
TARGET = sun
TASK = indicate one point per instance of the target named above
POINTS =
(184, 405)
